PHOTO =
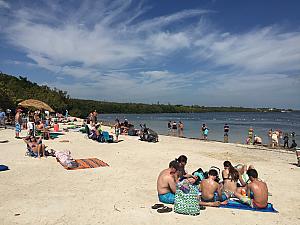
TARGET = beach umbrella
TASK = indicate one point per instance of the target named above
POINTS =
(35, 104)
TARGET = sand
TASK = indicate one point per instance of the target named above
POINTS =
(41, 191)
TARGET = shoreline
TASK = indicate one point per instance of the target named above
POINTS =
(263, 147)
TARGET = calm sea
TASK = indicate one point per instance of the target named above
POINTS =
(238, 122)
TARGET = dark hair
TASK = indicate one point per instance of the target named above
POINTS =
(174, 164)
(181, 159)
(213, 172)
(227, 164)
(252, 173)
(233, 173)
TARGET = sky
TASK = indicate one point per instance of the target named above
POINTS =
(192, 52)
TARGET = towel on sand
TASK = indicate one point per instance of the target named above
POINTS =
(238, 205)
(87, 163)
(3, 168)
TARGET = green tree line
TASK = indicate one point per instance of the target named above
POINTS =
(15, 89)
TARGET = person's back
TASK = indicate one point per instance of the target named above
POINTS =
(257, 191)
(208, 188)
(257, 140)
(174, 125)
(163, 182)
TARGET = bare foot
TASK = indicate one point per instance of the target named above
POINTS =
(216, 204)
(224, 203)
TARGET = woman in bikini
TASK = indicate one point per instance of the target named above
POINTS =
(230, 178)
(35, 145)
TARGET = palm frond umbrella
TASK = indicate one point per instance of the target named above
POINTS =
(35, 104)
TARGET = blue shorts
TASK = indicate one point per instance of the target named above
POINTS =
(168, 198)
(18, 128)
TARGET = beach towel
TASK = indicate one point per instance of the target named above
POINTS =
(87, 163)
(54, 135)
(3, 168)
(238, 205)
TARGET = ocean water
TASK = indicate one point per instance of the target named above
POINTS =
(239, 123)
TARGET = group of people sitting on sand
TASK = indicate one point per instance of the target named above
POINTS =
(239, 182)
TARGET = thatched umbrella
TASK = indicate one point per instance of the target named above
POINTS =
(35, 104)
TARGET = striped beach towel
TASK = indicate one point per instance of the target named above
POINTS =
(88, 163)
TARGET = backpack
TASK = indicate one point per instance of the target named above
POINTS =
(186, 199)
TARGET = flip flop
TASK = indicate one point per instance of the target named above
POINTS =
(164, 209)
(157, 206)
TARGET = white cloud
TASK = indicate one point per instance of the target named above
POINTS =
(113, 44)
(4, 4)
(164, 41)
(262, 50)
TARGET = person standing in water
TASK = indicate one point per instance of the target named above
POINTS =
(250, 136)
(203, 129)
(226, 131)
(169, 125)
(270, 132)
(286, 140)
(180, 129)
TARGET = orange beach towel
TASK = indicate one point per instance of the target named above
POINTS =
(88, 163)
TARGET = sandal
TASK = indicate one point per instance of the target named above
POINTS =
(164, 209)
(157, 206)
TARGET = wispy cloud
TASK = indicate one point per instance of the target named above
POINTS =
(268, 49)
(107, 44)
(4, 4)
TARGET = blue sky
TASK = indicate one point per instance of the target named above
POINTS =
(205, 52)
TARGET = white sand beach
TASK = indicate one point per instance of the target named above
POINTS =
(41, 191)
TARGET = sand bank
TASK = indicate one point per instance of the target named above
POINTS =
(41, 191)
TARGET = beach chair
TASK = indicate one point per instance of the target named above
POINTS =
(107, 138)
(29, 152)
(87, 131)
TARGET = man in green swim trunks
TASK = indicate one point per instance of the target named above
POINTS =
(257, 192)
(166, 183)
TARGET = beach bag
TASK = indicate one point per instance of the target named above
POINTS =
(186, 199)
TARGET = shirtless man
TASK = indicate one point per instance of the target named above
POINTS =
(257, 192)
(166, 184)
(18, 123)
(208, 187)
